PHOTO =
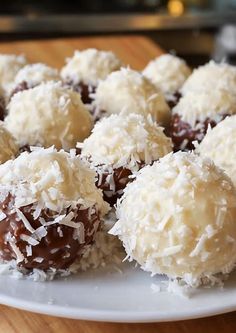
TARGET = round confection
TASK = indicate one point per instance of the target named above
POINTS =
(195, 112)
(8, 146)
(50, 209)
(48, 114)
(219, 144)
(119, 146)
(168, 73)
(9, 66)
(212, 76)
(32, 75)
(178, 218)
(86, 68)
(128, 91)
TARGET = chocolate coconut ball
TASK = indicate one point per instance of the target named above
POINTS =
(211, 76)
(86, 68)
(178, 218)
(50, 209)
(49, 114)
(8, 146)
(128, 91)
(168, 73)
(32, 75)
(119, 146)
(219, 144)
(10, 64)
(195, 113)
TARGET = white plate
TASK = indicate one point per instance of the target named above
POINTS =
(117, 297)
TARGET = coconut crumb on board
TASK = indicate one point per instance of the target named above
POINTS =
(106, 250)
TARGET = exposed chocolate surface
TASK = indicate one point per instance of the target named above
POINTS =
(59, 248)
(173, 102)
(24, 148)
(183, 134)
(2, 108)
(120, 180)
(83, 89)
(21, 87)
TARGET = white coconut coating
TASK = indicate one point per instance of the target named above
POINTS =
(128, 91)
(89, 66)
(34, 74)
(126, 141)
(219, 144)
(48, 114)
(212, 76)
(8, 146)
(178, 218)
(198, 106)
(168, 73)
(50, 179)
(10, 64)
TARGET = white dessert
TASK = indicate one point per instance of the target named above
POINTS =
(128, 91)
(48, 114)
(178, 218)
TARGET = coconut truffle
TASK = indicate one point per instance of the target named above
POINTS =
(32, 75)
(8, 146)
(50, 209)
(129, 91)
(195, 112)
(168, 73)
(10, 64)
(178, 218)
(48, 114)
(86, 68)
(219, 144)
(211, 76)
(119, 146)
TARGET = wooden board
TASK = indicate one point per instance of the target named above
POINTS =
(132, 50)
(136, 51)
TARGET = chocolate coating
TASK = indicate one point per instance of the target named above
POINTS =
(181, 131)
(120, 178)
(59, 248)
(21, 87)
(173, 102)
(2, 108)
(83, 89)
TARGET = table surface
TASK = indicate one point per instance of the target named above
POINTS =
(135, 51)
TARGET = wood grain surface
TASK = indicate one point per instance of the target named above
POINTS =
(132, 50)
(135, 51)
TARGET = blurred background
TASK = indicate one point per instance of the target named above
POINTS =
(195, 29)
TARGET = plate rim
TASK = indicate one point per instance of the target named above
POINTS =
(113, 315)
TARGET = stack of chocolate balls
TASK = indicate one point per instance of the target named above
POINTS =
(97, 135)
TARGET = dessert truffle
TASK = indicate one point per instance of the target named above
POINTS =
(129, 91)
(86, 68)
(211, 76)
(119, 146)
(50, 209)
(178, 218)
(48, 114)
(32, 75)
(8, 146)
(10, 64)
(168, 73)
(219, 144)
(195, 112)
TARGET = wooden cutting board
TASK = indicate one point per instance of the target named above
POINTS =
(132, 50)
(135, 51)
